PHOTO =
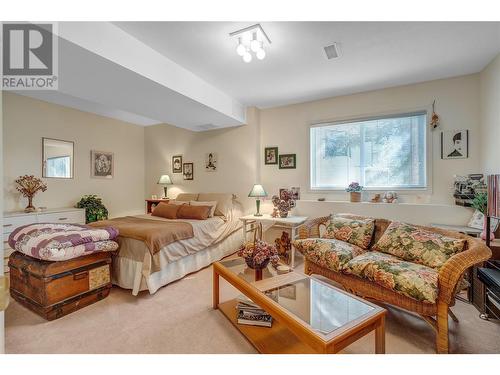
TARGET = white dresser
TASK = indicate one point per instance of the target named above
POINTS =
(12, 220)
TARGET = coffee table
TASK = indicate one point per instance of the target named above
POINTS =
(310, 315)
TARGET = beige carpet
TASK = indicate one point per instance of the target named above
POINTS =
(179, 319)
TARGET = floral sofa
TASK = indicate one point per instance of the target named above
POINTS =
(415, 268)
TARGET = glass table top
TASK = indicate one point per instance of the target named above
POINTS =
(320, 305)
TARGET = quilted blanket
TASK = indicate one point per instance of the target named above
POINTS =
(57, 242)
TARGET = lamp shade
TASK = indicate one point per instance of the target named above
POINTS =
(257, 191)
(165, 180)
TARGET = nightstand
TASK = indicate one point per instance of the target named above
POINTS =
(152, 203)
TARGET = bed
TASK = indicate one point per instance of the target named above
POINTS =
(138, 268)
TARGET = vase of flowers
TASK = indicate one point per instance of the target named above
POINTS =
(28, 186)
(354, 189)
(283, 203)
(258, 254)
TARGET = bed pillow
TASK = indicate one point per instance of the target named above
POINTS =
(193, 212)
(212, 204)
(417, 245)
(187, 197)
(166, 210)
(179, 203)
(224, 203)
(358, 232)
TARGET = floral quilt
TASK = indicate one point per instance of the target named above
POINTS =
(410, 279)
(417, 245)
(57, 242)
(356, 232)
(329, 253)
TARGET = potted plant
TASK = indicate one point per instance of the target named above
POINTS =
(29, 186)
(480, 203)
(354, 189)
(94, 208)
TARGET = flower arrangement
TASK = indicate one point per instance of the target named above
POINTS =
(28, 186)
(283, 203)
(258, 254)
(354, 187)
(94, 208)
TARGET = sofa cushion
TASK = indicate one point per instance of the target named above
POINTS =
(355, 231)
(410, 279)
(328, 252)
(418, 245)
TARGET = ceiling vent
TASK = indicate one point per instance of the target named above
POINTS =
(332, 51)
(206, 127)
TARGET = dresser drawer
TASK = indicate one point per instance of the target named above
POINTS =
(11, 223)
(77, 217)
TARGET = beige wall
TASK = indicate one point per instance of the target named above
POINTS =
(237, 158)
(456, 102)
(27, 120)
(490, 117)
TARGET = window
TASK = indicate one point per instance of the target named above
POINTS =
(58, 166)
(379, 153)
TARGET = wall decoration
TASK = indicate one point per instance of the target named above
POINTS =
(455, 144)
(271, 155)
(177, 164)
(187, 171)
(288, 161)
(434, 117)
(211, 162)
(101, 164)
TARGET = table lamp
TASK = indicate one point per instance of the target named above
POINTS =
(165, 180)
(257, 192)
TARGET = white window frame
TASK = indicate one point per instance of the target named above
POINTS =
(397, 113)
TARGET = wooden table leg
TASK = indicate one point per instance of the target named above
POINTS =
(380, 337)
(215, 290)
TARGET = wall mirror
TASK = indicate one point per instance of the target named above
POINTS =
(57, 158)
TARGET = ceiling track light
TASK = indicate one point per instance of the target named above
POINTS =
(251, 39)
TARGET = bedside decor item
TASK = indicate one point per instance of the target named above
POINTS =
(101, 164)
(94, 208)
(354, 189)
(295, 193)
(434, 117)
(284, 202)
(28, 186)
(165, 181)
(187, 171)
(288, 161)
(376, 198)
(271, 155)
(455, 144)
(177, 164)
(257, 192)
(390, 197)
(211, 162)
(480, 203)
(284, 246)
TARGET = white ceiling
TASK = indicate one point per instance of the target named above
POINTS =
(374, 55)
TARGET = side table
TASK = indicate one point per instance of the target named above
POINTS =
(152, 203)
(290, 222)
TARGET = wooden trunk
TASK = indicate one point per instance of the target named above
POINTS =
(55, 289)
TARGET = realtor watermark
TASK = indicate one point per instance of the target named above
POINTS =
(29, 58)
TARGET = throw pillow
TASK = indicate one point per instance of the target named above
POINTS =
(358, 232)
(166, 210)
(212, 204)
(418, 245)
(193, 212)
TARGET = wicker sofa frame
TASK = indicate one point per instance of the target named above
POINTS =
(450, 275)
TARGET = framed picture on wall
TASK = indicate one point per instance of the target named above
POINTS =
(101, 164)
(211, 162)
(187, 171)
(271, 155)
(455, 144)
(177, 164)
(288, 161)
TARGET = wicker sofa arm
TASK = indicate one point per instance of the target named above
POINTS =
(453, 269)
(310, 229)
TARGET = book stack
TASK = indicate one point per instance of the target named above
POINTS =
(251, 314)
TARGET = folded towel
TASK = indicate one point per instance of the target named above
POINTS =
(56, 242)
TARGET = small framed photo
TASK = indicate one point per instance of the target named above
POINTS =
(295, 193)
(271, 155)
(455, 144)
(101, 164)
(177, 164)
(288, 161)
(187, 171)
(211, 162)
